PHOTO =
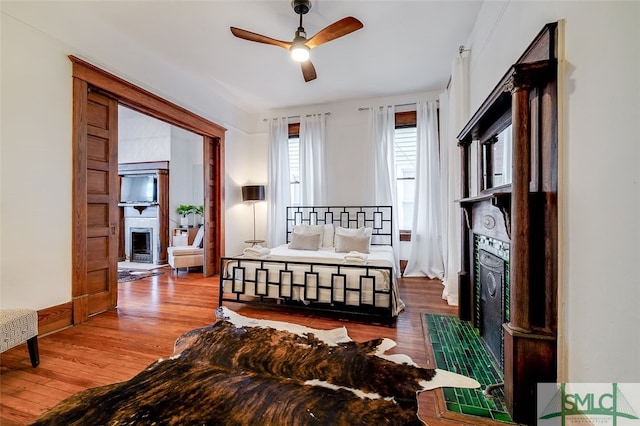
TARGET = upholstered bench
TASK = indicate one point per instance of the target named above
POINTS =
(18, 326)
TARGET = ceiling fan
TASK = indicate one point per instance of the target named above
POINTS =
(301, 45)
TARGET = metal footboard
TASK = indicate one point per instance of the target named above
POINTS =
(345, 288)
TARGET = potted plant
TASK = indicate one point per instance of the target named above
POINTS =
(199, 210)
(185, 210)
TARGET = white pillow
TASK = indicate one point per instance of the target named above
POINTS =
(301, 241)
(310, 229)
(354, 232)
(327, 236)
(346, 243)
(351, 232)
(199, 238)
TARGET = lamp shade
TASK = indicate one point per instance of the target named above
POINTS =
(253, 193)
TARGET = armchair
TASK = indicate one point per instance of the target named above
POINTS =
(187, 256)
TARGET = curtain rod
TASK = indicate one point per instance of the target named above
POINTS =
(460, 50)
(397, 105)
(294, 116)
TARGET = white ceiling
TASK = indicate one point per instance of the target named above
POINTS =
(404, 47)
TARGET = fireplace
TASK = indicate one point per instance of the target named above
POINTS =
(492, 293)
(141, 245)
(142, 234)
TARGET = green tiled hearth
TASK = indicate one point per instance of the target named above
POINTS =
(457, 347)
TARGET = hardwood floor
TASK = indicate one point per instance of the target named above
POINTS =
(152, 313)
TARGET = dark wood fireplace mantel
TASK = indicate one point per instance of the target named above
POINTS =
(520, 214)
(500, 200)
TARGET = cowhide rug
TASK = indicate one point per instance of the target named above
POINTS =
(241, 371)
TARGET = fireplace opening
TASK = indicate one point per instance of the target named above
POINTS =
(141, 245)
(492, 312)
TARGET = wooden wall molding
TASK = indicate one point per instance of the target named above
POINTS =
(55, 318)
(88, 78)
(144, 101)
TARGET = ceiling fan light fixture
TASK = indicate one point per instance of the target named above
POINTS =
(300, 46)
(299, 52)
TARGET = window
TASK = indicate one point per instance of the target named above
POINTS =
(405, 163)
(294, 163)
(405, 157)
(294, 169)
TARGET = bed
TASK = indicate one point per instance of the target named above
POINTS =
(337, 259)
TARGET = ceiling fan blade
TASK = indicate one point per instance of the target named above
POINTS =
(337, 29)
(259, 38)
(308, 71)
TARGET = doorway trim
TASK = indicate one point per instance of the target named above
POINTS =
(150, 104)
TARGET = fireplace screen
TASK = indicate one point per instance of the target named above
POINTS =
(492, 314)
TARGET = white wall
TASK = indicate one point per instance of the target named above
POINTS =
(36, 155)
(142, 138)
(245, 164)
(599, 165)
(186, 181)
(35, 172)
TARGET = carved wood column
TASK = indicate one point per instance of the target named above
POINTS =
(520, 211)
(529, 350)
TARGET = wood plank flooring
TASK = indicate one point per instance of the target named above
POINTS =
(152, 313)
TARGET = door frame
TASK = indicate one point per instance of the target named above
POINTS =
(150, 104)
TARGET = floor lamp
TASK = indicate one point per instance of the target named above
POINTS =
(252, 194)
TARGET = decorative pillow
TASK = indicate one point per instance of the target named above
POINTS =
(309, 229)
(304, 241)
(327, 236)
(354, 232)
(198, 240)
(346, 243)
(351, 232)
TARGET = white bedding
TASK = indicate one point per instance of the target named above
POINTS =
(377, 256)
(316, 273)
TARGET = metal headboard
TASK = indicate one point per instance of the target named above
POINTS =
(376, 217)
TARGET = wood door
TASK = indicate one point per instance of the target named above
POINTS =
(213, 205)
(95, 272)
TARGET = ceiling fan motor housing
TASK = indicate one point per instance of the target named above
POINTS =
(301, 7)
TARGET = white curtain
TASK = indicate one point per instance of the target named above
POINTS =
(382, 124)
(278, 191)
(313, 182)
(454, 113)
(425, 256)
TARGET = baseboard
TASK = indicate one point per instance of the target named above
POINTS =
(55, 318)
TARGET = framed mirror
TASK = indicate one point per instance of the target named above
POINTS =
(497, 153)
